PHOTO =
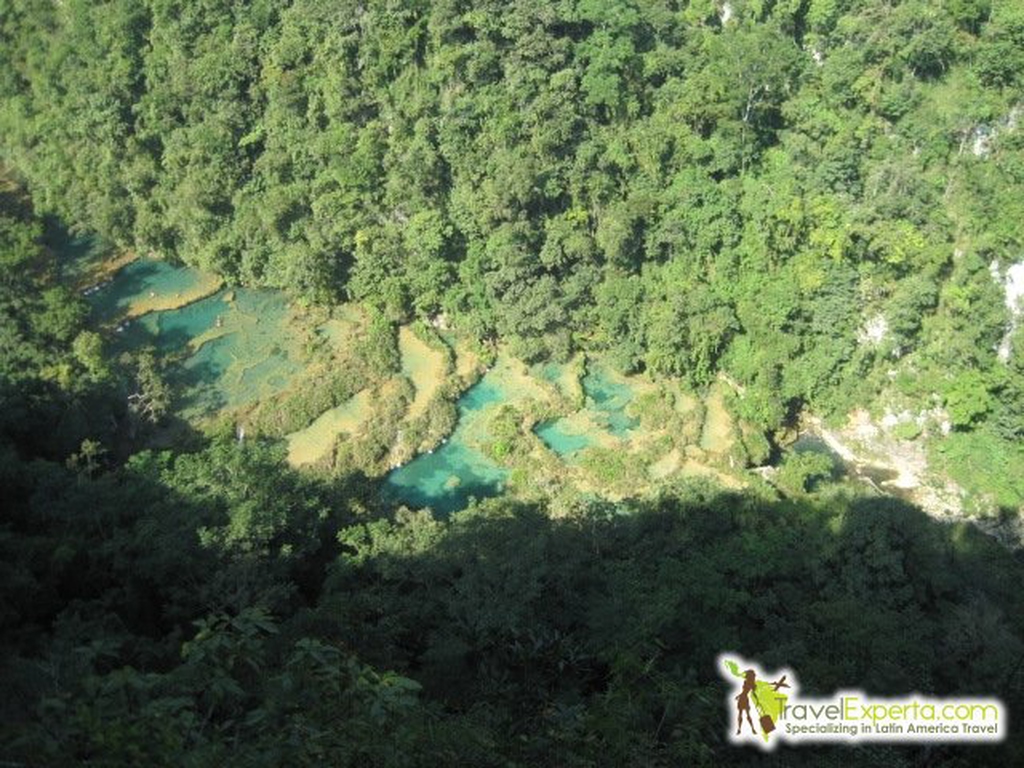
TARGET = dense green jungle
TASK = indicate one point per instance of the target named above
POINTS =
(451, 382)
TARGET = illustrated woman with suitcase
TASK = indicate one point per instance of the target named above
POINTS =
(743, 703)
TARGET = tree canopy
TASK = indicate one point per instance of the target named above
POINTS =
(816, 200)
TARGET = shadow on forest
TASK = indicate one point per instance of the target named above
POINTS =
(611, 621)
(592, 637)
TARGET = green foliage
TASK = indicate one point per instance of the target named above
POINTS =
(612, 468)
(1008, 416)
(150, 398)
(56, 385)
(907, 430)
(987, 464)
(505, 428)
(378, 348)
(690, 195)
(202, 608)
(967, 398)
(802, 470)
(612, 619)
(298, 408)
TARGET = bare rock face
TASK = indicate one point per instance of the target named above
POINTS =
(874, 331)
(867, 445)
(1013, 288)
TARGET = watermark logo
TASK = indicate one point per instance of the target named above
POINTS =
(767, 709)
